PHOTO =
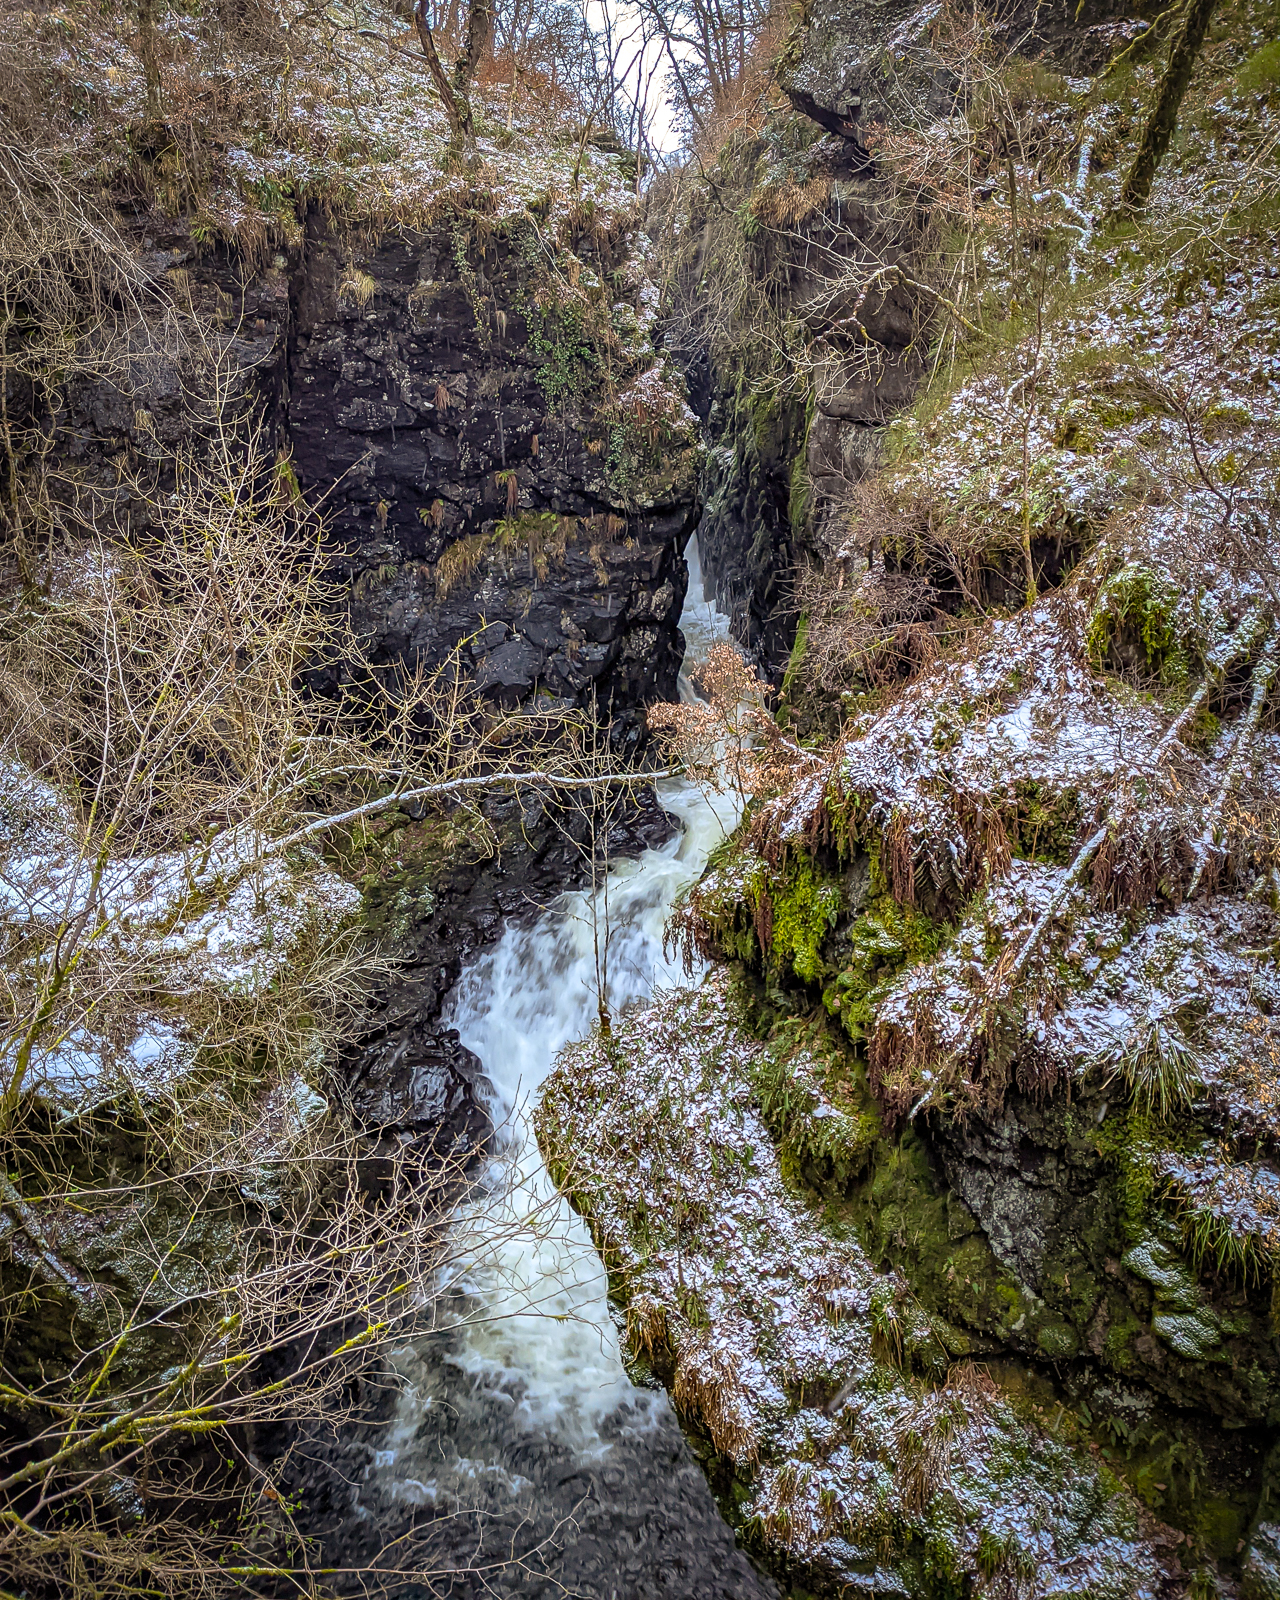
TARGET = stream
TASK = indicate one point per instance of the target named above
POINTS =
(516, 1425)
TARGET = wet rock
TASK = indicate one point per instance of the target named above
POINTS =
(469, 507)
(625, 1514)
(419, 1081)
(797, 1362)
(437, 910)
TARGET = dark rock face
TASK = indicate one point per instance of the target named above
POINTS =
(782, 462)
(1047, 1204)
(470, 513)
(410, 395)
(471, 510)
(115, 419)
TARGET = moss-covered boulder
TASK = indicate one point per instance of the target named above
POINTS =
(849, 1444)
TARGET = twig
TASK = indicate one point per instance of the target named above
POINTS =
(1240, 641)
(427, 791)
(30, 1225)
(1262, 676)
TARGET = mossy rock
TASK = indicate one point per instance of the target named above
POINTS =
(1135, 624)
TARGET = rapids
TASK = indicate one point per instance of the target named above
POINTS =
(516, 1419)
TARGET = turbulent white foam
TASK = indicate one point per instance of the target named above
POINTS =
(540, 1318)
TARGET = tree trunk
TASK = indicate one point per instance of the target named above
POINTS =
(147, 49)
(457, 107)
(479, 44)
(1164, 114)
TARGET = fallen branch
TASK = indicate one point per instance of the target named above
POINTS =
(1263, 674)
(430, 791)
(1239, 642)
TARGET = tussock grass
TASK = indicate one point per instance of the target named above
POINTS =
(542, 538)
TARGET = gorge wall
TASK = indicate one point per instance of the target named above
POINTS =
(502, 460)
(484, 490)
(954, 1238)
(799, 309)
(508, 474)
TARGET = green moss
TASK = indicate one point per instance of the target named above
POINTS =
(1118, 1344)
(1136, 608)
(791, 677)
(799, 904)
(1046, 825)
(1220, 1525)
(1128, 1142)
(800, 496)
(816, 1105)
(1202, 734)
(1260, 74)
(906, 1218)
(1057, 1340)
(883, 940)
(941, 1576)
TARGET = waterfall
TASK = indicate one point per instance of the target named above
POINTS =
(539, 1312)
(522, 1402)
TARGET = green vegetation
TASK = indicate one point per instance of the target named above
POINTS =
(800, 908)
(1130, 1142)
(1138, 607)
(815, 1103)
(568, 362)
(883, 939)
(540, 536)
(1045, 826)
(1260, 74)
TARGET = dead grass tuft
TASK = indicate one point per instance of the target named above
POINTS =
(789, 204)
(923, 1440)
(647, 1325)
(709, 1385)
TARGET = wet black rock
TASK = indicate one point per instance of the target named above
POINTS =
(402, 383)
(471, 510)
(420, 1081)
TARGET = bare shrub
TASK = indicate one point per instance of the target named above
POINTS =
(728, 741)
(186, 715)
(874, 632)
(105, 1487)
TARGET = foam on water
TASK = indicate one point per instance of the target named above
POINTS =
(539, 1321)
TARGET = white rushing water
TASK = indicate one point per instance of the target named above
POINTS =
(539, 1322)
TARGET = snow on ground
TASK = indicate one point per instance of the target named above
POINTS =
(168, 930)
(781, 1341)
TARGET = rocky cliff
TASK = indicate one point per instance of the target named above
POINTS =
(497, 486)
(801, 308)
(945, 1206)
(508, 474)
(504, 462)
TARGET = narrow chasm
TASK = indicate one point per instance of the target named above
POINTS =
(640, 800)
